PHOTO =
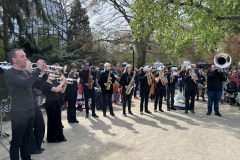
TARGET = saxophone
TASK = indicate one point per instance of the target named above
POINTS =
(90, 80)
(149, 78)
(193, 75)
(109, 82)
(171, 77)
(131, 85)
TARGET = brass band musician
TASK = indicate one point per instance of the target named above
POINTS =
(89, 82)
(106, 81)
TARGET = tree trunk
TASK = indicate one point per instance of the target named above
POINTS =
(5, 28)
(141, 53)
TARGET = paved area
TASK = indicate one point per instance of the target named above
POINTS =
(159, 136)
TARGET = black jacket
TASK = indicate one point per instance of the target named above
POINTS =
(189, 83)
(171, 85)
(125, 79)
(71, 88)
(84, 77)
(143, 81)
(103, 79)
(214, 80)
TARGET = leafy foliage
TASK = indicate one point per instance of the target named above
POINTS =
(176, 22)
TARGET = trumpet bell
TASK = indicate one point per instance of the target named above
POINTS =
(222, 60)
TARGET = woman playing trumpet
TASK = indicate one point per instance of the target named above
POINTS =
(71, 94)
(52, 106)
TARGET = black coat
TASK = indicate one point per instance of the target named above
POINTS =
(214, 80)
(125, 79)
(103, 79)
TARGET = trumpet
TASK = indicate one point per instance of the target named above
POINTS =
(54, 67)
(34, 66)
(69, 80)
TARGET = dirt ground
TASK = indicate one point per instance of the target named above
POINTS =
(171, 135)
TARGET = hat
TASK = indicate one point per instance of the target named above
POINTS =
(189, 67)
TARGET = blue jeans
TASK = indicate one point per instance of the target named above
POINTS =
(214, 97)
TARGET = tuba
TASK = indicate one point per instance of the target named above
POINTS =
(131, 85)
(109, 82)
(90, 80)
(222, 60)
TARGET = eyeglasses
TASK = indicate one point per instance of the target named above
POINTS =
(87, 64)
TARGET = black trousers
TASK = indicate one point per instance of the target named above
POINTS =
(39, 127)
(159, 93)
(190, 94)
(71, 110)
(127, 98)
(170, 95)
(22, 134)
(54, 125)
(107, 100)
(144, 98)
(89, 93)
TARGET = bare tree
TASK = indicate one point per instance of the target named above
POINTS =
(111, 21)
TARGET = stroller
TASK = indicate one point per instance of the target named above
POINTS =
(230, 93)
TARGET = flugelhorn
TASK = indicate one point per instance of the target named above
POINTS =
(222, 60)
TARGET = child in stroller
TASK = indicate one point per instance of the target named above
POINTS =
(230, 93)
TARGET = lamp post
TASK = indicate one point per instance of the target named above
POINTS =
(132, 48)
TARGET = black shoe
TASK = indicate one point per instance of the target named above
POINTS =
(208, 113)
(147, 111)
(186, 111)
(104, 115)
(168, 109)
(112, 114)
(124, 114)
(87, 115)
(41, 149)
(37, 152)
(192, 111)
(218, 114)
(130, 112)
(141, 112)
(76, 121)
(160, 110)
(62, 126)
(95, 116)
(64, 140)
(173, 108)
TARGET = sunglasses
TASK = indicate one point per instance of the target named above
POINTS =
(87, 64)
